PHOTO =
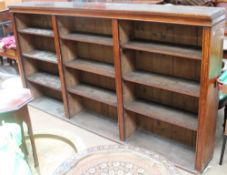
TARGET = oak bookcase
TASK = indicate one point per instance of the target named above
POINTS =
(143, 74)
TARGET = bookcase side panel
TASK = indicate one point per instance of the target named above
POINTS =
(208, 104)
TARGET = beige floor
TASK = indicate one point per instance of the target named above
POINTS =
(52, 153)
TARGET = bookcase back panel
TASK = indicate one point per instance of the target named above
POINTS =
(52, 93)
(97, 80)
(164, 64)
(95, 52)
(80, 104)
(167, 130)
(74, 77)
(75, 105)
(167, 98)
(165, 33)
(68, 50)
(72, 50)
(39, 91)
(32, 66)
(85, 25)
(29, 43)
(33, 21)
(99, 108)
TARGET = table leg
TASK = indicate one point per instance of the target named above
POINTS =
(223, 150)
(24, 115)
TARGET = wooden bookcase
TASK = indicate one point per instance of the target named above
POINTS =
(40, 62)
(88, 62)
(141, 74)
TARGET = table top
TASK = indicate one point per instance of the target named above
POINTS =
(116, 159)
(13, 99)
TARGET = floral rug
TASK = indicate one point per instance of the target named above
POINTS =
(116, 160)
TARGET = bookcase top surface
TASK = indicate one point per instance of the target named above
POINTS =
(189, 15)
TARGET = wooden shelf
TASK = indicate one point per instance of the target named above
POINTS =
(41, 55)
(164, 49)
(172, 84)
(37, 31)
(164, 114)
(96, 123)
(50, 105)
(92, 67)
(45, 79)
(95, 93)
(89, 38)
(165, 147)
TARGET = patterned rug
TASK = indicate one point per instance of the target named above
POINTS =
(116, 160)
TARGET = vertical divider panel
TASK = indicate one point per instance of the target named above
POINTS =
(118, 79)
(60, 66)
(18, 52)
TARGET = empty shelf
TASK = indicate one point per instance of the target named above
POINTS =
(97, 123)
(177, 85)
(180, 154)
(50, 105)
(41, 55)
(37, 31)
(89, 38)
(94, 93)
(164, 49)
(45, 79)
(92, 67)
(162, 113)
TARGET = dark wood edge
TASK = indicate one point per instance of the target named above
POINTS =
(60, 66)
(18, 53)
(206, 133)
(203, 97)
(118, 80)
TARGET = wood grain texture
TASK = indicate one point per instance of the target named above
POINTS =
(95, 26)
(60, 66)
(35, 21)
(201, 16)
(118, 75)
(208, 104)
(93, 92)
(166, 98)
(42, 79)
(92, 67)
(164, 114)
(41, 55)
(18, 52)
(164, 49)
(163, 82)
(95, 39)
(37, 31)
(72, 50)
